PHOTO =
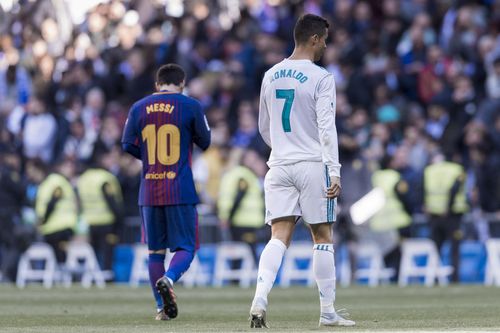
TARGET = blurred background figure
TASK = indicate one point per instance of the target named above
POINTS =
(241, 201)
(57, 208)
(35, 129)
(393, 222)
(13, 240)
(101, 202)
(445, 202)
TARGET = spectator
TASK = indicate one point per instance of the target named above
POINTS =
(79, 145)
(445, 202)
(493, 82)
(12, 193)
(241, 203)
(36, 129)
(15, 84)
(247, 126)
(102, 209)
(56, 208)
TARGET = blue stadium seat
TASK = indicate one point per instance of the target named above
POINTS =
(472, 260)
(206, 255)
(122, 262)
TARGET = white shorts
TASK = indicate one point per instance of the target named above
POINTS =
(299, 190)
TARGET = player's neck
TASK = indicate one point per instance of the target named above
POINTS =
(301, 53)
(171, 88)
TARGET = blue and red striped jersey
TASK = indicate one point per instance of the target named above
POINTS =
(160, 130)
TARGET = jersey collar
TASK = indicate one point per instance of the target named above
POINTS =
(161, 92)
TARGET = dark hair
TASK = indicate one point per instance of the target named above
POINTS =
(170, 74)
(309, 25)
(39, 164)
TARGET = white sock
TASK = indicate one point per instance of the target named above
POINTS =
(324, 273)
(269, 264)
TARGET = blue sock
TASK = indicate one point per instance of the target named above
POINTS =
(180, 263)
(156, 267)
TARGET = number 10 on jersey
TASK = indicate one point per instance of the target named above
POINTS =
(164, 143)
(288, 95)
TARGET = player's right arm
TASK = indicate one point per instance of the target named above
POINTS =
(264, 120)
(130, 138)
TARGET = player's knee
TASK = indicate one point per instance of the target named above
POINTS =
(321, 233)
(283, 231)
(191, 253)
(319, 238)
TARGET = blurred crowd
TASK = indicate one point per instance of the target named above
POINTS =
(416, 79)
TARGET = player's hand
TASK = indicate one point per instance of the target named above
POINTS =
(334, 190)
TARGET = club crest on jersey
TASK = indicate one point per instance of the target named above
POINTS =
(289, 73)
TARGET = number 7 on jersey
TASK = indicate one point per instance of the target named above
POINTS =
(288, 95)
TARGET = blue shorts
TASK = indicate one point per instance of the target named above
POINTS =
(172, 227)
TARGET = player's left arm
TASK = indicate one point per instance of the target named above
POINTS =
(201, 135)
(130, 138)
(325, 114)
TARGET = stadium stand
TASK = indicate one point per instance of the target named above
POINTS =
(414, 79)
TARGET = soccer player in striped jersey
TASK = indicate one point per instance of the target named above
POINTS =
(297, 120)
(160, 131)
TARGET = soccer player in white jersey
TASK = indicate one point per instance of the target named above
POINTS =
(297, 120)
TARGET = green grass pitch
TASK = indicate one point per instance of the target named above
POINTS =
(123, 309)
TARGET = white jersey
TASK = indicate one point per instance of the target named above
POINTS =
(297, 114)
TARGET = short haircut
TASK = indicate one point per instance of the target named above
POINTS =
(170, 74)
(39, 164)
(309, 25)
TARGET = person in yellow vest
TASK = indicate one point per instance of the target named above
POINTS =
(445, 203)
(241, 199)
(396, 179)
(101, 202)
(57, 208)
(393, 215)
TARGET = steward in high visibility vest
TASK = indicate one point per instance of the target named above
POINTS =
(402, 189)
(100, 194)
(444, 189)
(241, 199)
(393, 215)
(57, 208)
(101, 201)
(445, 203)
